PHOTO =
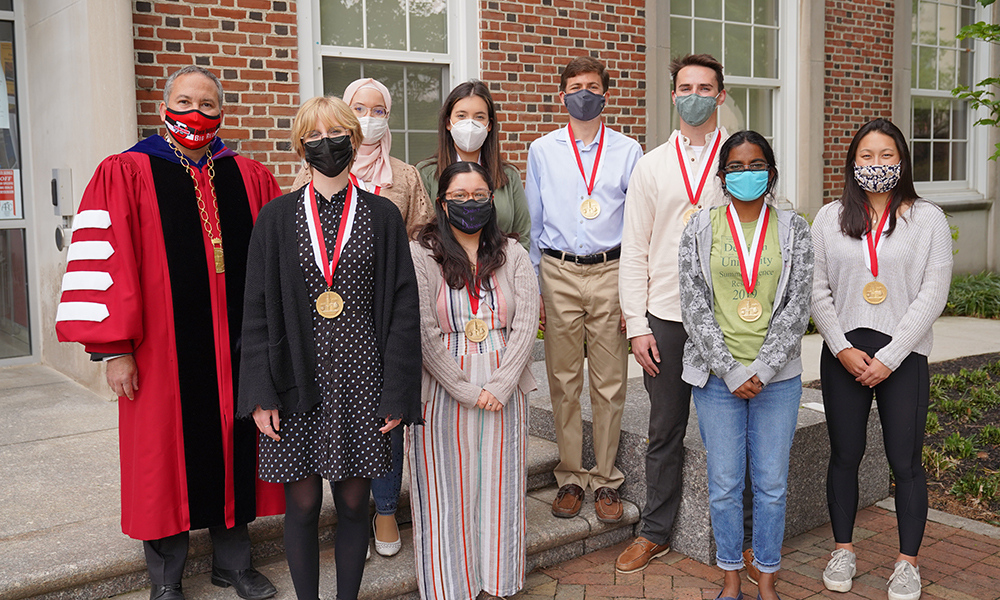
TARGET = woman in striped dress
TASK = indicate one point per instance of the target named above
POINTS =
(479, 317)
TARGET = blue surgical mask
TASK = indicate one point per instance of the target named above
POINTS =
(747, 185)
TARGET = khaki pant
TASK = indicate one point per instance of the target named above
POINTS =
(581, 303)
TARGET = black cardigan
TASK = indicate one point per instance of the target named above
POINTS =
(278, 365)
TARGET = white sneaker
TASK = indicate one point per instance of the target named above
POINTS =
(905, 582)
(839, 573)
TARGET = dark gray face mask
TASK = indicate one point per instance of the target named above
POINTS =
(694, 109)
(469, 216)
(585, 105)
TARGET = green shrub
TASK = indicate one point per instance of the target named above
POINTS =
(933, 425)
(936, 462)
(974, 296)
(989, 435)
(959, 447)
(976, 487)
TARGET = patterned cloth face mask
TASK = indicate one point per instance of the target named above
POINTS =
(877, 179)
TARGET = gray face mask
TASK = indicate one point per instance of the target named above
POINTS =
(694, 109)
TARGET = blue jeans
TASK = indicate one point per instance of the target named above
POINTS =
(385, 489)
(730, 426)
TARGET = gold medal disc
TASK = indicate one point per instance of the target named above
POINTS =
(220, 260)
(749, 309)
(688, 214)
(329, 304)
(590, 208)
(476, 330)
(875, 292)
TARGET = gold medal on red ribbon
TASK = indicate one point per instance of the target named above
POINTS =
(476, 330)
(590, 208)
(749, 309)
(688, 214)
(705, 166)
(875, 292)
(329, 304)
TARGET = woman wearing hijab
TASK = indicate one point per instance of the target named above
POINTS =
(468, 131)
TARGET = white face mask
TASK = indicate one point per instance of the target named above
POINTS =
(373, 129)
(469, 134)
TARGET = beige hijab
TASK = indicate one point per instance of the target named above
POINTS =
(372, 162)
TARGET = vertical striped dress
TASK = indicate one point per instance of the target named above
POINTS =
(468, 467)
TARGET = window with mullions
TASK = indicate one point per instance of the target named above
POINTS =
(940, 123)
(401, 43)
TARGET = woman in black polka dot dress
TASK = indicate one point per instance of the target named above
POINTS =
(330, 328)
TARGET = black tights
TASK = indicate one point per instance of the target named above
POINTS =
(902, 407)
(303, 500)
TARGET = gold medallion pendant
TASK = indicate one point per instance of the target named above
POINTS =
(875, 292)
(749, 309)
(476, 330)
(688, 214)
(590, 208)
(220, 258)
(329, 304)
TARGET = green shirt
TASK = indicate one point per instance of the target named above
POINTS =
(510, 202)
(742, 338)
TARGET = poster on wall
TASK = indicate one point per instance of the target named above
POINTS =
(10, 194)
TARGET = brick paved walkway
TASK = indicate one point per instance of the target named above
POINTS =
(955, 564)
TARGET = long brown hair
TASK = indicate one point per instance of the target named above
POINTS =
(438, 237)
(855, 216)
(489, 154)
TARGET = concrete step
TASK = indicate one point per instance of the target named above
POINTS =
(549, 541)
(91, 558)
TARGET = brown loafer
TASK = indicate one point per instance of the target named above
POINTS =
(637, 556)
(568, 501)
(753, 573)
(608, 505)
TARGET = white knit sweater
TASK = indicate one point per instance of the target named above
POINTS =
(914, 263)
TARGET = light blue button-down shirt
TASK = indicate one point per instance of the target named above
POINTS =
(555, 189)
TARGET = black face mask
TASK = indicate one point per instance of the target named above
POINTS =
(469, 216)
(330, 156)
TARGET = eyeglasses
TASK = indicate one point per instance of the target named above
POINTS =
(480, 196)
(757, 166)
(315, 136)
(361, 110)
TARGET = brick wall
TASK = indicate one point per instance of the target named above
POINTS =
(249, 44)
(858, 46)
(526, 43)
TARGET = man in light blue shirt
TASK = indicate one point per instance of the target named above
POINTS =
(576, 183)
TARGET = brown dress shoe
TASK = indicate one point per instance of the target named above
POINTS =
(637, 556)
(568, 501)
(608, 505)
(753, 573)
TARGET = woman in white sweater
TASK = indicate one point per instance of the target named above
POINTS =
(883, 268)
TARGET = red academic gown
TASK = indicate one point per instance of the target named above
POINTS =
(139, 281)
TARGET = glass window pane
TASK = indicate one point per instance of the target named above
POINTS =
(14, 332)
(960, 120)
(968, 17)
(948, 24)
(680, 7)
(6, 4)
(429, 26)
(927, 68)
(733, 114)
(915, 65)
(386, 24)
(391, 76)
(926, 23)
(421, 145)
(737, 58)
(941, 163)
(708, 37)
(680, 36)
(921, 118)
(11, 202)
(947, 67)
(942, 120)
(708, 9)
(738, 11)
(964, 68)
(958, 160)
(340, 23)
(760, 117)
(765, 52)
(921, 161)
(338, 74)
(765, 12)
(425, 95)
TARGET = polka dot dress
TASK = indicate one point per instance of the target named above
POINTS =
(339, 437)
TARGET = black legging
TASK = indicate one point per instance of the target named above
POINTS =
(902, 407)
(303, 500)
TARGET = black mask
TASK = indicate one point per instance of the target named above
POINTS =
(330, 156)
(469, 216)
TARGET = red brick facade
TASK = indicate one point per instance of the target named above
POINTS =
(858, 47)
(249, 44)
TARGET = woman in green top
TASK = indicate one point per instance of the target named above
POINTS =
(746, 284)
(468, 131)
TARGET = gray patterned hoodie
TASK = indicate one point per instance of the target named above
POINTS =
(780, 356)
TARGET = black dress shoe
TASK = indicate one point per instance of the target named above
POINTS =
(169, 591)
(250, 584)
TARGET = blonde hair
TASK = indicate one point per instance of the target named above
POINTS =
(330, 111)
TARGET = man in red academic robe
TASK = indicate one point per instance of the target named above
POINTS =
(154, 287)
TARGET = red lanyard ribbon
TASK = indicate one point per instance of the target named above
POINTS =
(330, 266)
(579, 161)
(872, 255)
(473, 289)
(756, 247)
(706, 167)
(375, 190)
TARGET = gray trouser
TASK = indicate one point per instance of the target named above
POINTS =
(165, 557)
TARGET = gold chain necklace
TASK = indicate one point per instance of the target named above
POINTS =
(220, 263)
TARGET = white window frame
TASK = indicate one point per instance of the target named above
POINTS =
(461, 61)
(975, 184)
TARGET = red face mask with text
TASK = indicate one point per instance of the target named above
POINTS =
(192, 129)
